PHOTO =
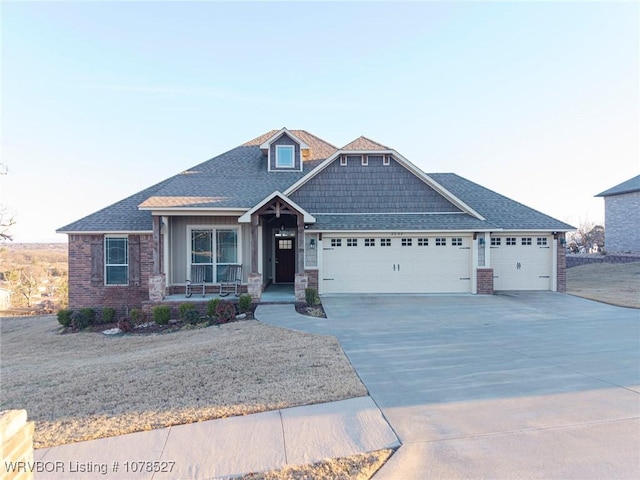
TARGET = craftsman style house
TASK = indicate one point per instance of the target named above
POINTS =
(289, 207)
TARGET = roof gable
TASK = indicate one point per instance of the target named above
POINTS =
(365, 144)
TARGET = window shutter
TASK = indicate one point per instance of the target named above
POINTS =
(134, 260)
(97, 261)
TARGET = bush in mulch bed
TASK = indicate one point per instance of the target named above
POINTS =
(310, 311)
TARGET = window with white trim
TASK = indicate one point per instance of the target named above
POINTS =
(285, 156)
(406, 242)
(343, 161)
(352, 242)
(369, 242)
(116, 261)
(385, 242)
(336, 242)
(456, 242)
(365, 160)
(215, 248)
(387, 160)
(541, 241)
(423, 242)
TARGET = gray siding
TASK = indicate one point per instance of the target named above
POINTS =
(622, 223)
(284, 139)
(375, 188)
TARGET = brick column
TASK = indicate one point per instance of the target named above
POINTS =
(485, 281)
(561, 258)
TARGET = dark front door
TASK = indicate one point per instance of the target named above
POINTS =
(285, 259)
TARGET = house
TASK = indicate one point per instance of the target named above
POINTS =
(294, 209)
(621, 219)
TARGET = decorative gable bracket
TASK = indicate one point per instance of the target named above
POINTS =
(277, 204)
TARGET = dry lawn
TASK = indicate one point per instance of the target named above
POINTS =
(614, 283)
(85, 386)
(356, 467)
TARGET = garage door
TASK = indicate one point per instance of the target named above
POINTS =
(521, 262)
(393, 264)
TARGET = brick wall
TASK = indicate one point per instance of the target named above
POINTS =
(17, 443)
(573, 260)
(561, 271)
(86, 273)
(622, 223)
(485, 281)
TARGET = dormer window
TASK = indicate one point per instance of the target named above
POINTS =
(285, 156)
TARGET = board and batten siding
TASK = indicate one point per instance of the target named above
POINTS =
(180, 247)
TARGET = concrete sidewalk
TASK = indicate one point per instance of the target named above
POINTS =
(229, 447)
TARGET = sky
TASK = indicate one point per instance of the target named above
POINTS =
(538, 101)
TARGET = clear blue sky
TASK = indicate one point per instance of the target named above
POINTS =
(538, 101)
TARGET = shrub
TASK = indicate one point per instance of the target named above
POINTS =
(90, 314)
(162, 314)
(192, 316)
(244, 303)
(137, 316)
(184, 308)
(80, 319)
(212, 305)
(311, 296)
(64, 317)
(225, 311)
(125, 324)
(108, 315)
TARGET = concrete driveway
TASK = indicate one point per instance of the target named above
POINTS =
(521, 385)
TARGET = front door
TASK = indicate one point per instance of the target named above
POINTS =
(285, 259)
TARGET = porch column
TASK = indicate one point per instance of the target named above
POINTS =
(254, 287)
(157, 281)
(300, 259)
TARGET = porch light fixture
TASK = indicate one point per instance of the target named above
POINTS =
(481, 242)
(312, 244)
(282, 228)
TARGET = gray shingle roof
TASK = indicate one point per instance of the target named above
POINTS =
(497, 209)
(631, 185)
(365, 144)
(239, 179)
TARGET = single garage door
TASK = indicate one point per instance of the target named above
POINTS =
(521, 262)
(396, 264)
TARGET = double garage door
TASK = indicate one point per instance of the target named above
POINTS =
(396, 264)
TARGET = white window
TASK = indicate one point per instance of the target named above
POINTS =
(116, 260)
(541, 241)
(385, 242)
(456, 242)
(215, 248)
(423, 242)
(365, 160)
(387, 160)
(343, 161)
(369, 242)
(441, 241)
(352, 242)
(285, 156)
(336, 242)
(406, 242)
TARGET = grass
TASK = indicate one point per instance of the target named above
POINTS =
(614, 283)
(85, 386)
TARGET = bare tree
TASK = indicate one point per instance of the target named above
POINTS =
(587, 237)
(7, 220)
(24, 285)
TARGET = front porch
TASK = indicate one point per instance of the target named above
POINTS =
(273, 294)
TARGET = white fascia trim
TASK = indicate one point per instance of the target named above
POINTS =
(246, 217)
(392, 213)
(277, 135)
(397, 233)
(103, 232)
(548, 231)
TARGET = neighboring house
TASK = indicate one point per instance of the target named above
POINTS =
(5, 299)
(292, 208)
(621, 217)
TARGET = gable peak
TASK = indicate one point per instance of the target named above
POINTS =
(365, 144)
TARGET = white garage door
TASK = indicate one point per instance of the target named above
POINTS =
(393, 264)
(521, 262)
